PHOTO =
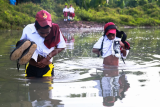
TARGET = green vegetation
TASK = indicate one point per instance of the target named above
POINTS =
(121, 12)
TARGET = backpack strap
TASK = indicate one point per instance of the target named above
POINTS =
(101, 47)
(107, 28)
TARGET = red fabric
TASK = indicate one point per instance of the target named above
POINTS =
(108, 24)
(111, 30)
(44, 18)
(73, 39)
(72, 14)
(127, 45)
(65, 14)
(54, 36)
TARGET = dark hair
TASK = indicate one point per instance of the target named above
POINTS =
(38, 26)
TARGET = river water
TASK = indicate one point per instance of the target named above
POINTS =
(78, 80)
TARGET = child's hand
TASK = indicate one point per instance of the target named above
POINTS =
(43, 63)
(127, 45)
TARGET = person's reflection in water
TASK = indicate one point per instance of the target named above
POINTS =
(40, 93)
(112, 85)
(70, 41)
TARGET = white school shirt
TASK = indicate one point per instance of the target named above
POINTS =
(71, 10)
(65, 10)
(107, 46)
(30, 33)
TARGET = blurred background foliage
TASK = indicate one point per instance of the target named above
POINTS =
(121, 12)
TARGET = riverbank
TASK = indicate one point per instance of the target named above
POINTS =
(92, 25)
(16, 17)
(79, 24)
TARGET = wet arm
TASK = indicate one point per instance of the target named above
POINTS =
(96, 51)
(46, 61)
(54, 52)
(123, 48)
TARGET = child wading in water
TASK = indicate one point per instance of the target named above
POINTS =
(111, 47)
(108, 46)
(39, 43)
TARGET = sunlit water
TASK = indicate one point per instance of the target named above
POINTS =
(78, 73)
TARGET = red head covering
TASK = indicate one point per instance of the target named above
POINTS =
(44, 18)
(110, 30)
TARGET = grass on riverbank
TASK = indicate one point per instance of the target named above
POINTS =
(147, 15)
(15, 17)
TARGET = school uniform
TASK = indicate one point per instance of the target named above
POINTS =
(107, 46)
(107, 49)
(44, 47)
(65, 12)
(71, 12)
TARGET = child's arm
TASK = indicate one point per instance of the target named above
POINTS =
(125, 46)
(96, 51)
(97, 46)
(123, 49)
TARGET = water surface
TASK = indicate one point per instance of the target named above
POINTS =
(76, 82)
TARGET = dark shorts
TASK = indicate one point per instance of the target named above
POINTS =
(32, 71)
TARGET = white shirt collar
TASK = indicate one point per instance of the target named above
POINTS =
(106, 37)
(34, 29)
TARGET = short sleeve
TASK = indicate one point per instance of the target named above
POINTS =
(62, 43)
(24, 35)
(97, 45)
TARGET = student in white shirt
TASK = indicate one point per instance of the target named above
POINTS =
(110, 52)
(71, 12)
(49, 40)
(65, 12)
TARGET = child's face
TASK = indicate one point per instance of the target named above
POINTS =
(111, 36)
(44, 32)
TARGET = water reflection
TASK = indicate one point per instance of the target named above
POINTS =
(112, 85)
(74, 85)
(69, 41)
(40, 93)
(30, 93)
